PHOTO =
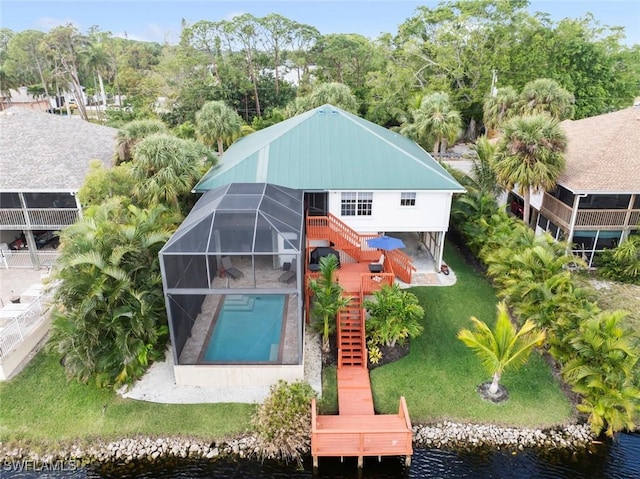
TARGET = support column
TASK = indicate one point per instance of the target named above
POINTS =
(627, 219)
(440, 248)
(28, 233)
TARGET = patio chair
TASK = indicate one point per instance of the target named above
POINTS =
(288, 276)
(229, 269)
(376, 267)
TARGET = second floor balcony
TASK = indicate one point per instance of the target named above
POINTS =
(37, 218)
(589, 219)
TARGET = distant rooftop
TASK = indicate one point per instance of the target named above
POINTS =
(329, 149)
(44, 152)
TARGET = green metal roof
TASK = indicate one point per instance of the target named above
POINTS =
(329, 149)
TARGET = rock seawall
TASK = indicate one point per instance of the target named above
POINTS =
(446, 435)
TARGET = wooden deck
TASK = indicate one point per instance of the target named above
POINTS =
(357, 431)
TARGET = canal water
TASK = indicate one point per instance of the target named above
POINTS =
(617, 459)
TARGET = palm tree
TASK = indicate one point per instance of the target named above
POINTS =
(216, 122)
(436, 121)
(334, 93)
(166, 168)
(602, 371)
(499, 108)
(530, 154)
(327, 297)
(504, 346)
(131, 133)
(95, 57)
(482, 172)
(546, 96)
(109, 318)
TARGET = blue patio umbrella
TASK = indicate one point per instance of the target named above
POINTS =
(386, 243)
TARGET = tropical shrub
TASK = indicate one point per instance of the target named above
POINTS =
(109, 319)
(394, 316)
(602, 371)
(283, 421)
(532, 274)
(102, 183)
(623, 262)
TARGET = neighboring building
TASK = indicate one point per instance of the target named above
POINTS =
(22, 99)
(44, 160)
(236, 272)
(596, 203)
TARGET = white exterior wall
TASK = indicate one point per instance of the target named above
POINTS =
(431, 212)
(236, 375)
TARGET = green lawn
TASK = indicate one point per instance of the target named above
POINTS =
(41, 405)
(438, 378)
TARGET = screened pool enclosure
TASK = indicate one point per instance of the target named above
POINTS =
(232, 277)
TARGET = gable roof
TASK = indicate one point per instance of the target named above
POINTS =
(329, 149)
(44, 152)
(603, 153)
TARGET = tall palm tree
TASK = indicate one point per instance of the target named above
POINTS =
(94, 57)
(546, 96)
(334, 93)
(166, 167)
(327, 297)
(131, 133)
(504, 346)
(482, 171)
(436, 121)
(216, 123)
(530, 154)
(499, 108)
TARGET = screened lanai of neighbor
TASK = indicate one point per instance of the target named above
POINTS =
(232, 275)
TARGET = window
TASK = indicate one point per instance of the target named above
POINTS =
(407, 199)
(356, 204)
(348, 206)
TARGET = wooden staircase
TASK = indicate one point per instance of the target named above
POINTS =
(357, 431)
(352, 349)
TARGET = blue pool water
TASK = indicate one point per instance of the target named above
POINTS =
(247, 329)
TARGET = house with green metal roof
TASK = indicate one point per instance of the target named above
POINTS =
(236, 272)
(373, 179)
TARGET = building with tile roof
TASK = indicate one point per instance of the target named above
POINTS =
(596, 203)
(44, 160)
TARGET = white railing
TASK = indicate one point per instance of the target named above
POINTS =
(607, 218)
(17, 329)
(37, 218)
(22, 259)
(12, 218)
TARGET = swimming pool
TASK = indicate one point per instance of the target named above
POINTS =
(247, 329)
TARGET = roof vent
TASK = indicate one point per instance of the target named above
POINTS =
(320, 112)
(334, 112)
